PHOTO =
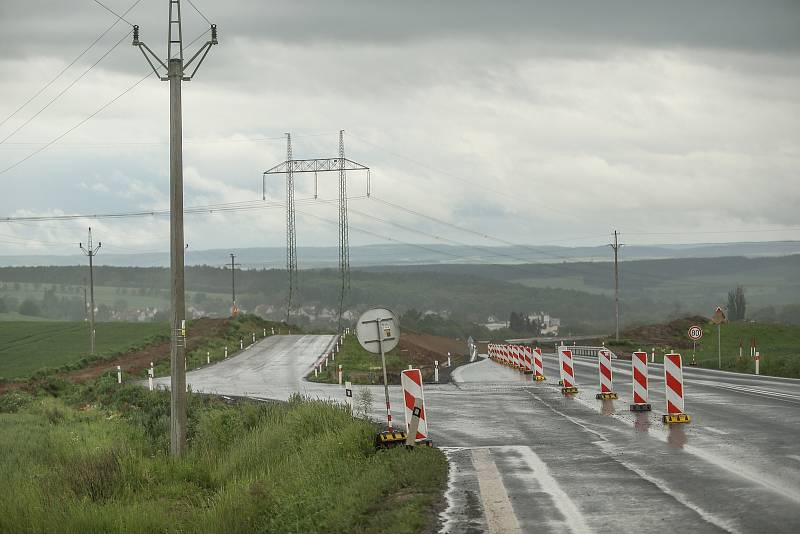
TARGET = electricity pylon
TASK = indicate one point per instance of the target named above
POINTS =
(176, 72)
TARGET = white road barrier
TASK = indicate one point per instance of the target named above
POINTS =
(567, 367)
(606, 376)
(226, 353)
(340, 374)
(436, 370)
(538, 366)
(150, 375)
(411, 380)
(673, 380)
(119, 374)
(641, 395)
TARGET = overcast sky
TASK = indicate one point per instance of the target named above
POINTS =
(538, 122)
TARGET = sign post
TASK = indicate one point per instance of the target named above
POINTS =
(718, 318)
(695, 333)
(378, 332)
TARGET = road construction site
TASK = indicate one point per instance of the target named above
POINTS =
(525, 457)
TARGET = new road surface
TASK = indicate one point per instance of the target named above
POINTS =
(526, 459)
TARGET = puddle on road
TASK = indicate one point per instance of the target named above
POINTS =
(607, 407)
(677, 437)
(642, 422)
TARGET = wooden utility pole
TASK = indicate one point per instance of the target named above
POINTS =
(91, 252)
(176, 72)
(615, 246)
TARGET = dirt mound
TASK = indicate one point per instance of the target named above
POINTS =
(135, 362)
(673, 333)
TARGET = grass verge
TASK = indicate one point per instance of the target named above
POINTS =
(364, 368)
(94, 458)
(779, 346)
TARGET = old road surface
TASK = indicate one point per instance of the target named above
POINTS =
(526, 459)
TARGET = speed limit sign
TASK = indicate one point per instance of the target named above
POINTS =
(695, 332)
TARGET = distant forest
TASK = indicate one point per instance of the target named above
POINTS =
(452, 296)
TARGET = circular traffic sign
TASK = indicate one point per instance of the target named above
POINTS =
(376, 326)
(695, 332)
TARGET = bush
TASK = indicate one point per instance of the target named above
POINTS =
(13, 401)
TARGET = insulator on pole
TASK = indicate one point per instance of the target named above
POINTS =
(214, 34)
(136, 35)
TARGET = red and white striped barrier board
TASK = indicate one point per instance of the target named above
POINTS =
(518, 357)
(527, 355)
(538, 366)
(640, 393)
(506, 355)
(567, 367)
(411, 380)
(606, 376)
(673, 378)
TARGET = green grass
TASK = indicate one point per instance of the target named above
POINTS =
(362, 367)
(14, 316)
(779, 346)
(95, 459)
(26, 347)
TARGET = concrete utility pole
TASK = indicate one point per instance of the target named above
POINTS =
(176, 72)
(615, 246)
(91, 252)
(234, 308)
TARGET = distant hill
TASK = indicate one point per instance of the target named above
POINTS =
(371, 255)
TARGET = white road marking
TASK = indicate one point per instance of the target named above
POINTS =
(715, 430)
(500, 516)
(607, 447)
(793, 457)
(573, 519)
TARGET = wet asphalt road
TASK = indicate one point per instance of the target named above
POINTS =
(526, 459)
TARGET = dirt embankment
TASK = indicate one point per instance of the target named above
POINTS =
(135, 362)
(423, 349)
(673, 333)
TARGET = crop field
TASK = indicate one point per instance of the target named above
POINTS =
(27, 346)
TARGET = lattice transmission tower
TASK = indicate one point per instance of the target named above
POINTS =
(317, 165)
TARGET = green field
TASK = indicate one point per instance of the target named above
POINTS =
(95, 458)
(778, 345)
(28, 346)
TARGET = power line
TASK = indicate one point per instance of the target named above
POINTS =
(87, 119)
(119, 17)
(64, 90)
(57, 76)
(198, 11)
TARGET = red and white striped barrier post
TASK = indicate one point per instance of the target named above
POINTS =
(641, 397)
(538, 366)
(567, 371)
(606, 376)
(528, 360)
(515, 356)
(673, 378)
(411, 381)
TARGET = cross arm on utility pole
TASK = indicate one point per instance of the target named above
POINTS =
(153, 59)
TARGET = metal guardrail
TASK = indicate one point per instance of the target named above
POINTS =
(588, 351)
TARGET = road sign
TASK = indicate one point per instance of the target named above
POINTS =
(719, 316)
(378, 331)
(368, 335)
(695, 332)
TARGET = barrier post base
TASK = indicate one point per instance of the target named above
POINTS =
(528, 372)
(561, 383)
(387, 440)
(609, 395)
(569, 391)
(676, 418)
(640, 407)
(539, 378)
